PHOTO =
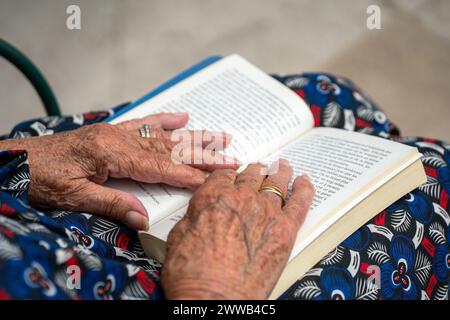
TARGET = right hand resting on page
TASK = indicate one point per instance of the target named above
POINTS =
(234, 242)
(67, 169)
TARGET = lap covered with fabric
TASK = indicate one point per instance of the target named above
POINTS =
(402, 253)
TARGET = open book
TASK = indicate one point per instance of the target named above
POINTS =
(355, 175)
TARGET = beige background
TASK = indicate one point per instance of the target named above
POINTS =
(127, 47)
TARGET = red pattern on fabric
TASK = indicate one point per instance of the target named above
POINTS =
(145, 281)
(18, 152)
(316, 114)
(380, 219)
(7, 210)
(89, 116)
(71, 261)
(94, 115)
(6, 232)
(4, 295)
(363, 268)
(431, 284)
(443, 200)
(428, 246)
(429, 171)
(123, 241)
(300, 92)
(429, 140)
(362, 124)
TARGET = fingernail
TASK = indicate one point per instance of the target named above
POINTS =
(136, 220)
(198, 179)
(180, 114)
(306, 177)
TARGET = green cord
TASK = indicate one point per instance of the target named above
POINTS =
(33, 74)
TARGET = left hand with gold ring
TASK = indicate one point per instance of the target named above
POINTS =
(236, 237)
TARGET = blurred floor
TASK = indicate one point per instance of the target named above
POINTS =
(127, 47)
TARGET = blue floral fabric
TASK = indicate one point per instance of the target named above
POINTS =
(402, 253)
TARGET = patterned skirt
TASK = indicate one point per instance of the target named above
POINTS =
(402, 253)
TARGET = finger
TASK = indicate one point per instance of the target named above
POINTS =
(113, 204)
(298, 204)
(207, 139)
(190, 138)
(222, 176)
(212, 140)
(196, 156)
(152, 145)
(170, 121)
(252, 176)
(204, 159)
(280, 173)
(161, 169)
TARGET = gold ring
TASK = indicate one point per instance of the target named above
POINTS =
(274, 189)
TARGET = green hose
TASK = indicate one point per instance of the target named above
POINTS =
(34, 76)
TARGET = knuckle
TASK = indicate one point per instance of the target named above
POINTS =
(160, 146)
(203, 198)
(255, 166)
(162, 167)
(230, 200)
(226, 173)
(272, 202)
(245, 191)
(99, 134)
(157, 132)
(169, 145)
(295, 207)
(101, 128)
(252, 180)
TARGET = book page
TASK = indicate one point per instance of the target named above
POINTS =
(341, 165)
(160, 200)
(345, 167)
(162, 228)
(231, 95)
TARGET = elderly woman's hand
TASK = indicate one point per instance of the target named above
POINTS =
(67, 169)
(234, 242)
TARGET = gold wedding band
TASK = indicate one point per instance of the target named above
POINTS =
(274, 189)
(144, 131)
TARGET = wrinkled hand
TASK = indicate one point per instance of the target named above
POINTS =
(67, 169)
(234, 242)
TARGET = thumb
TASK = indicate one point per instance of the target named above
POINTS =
(114, 204)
